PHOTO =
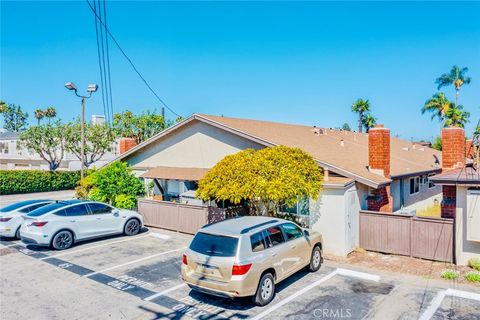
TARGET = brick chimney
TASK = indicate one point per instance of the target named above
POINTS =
(379, 150)
(453, 157)
(126, 144)
(379, 163)
(453, 148)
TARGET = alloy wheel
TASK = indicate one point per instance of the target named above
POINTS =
(266, 289)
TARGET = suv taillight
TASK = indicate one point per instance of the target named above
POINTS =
(38, 223)
(184, 260)
(5, 219)
(239, 270)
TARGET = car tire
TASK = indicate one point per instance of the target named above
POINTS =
(17, 234)
(265, 291)
(315, 259)
(62, 240)
(132, 227)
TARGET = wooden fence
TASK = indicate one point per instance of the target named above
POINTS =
(427, 238)
(177, 216)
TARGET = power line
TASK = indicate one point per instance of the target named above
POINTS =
(102, 46)
(131, 63)
(99, 60)
(108, 59)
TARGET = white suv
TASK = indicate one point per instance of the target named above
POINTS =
(63, 223)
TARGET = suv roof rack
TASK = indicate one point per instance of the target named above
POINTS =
(258, 225)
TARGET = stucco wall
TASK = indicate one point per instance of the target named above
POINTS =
(464, 249)
(419, 201)
(197, 145)
(329, 215)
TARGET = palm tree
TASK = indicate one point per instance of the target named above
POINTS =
(456, 117)
(50, 113)
(361, 106)
(439, 105)
(39, 114)
(457, 77)
(369, 121)
(3, 107)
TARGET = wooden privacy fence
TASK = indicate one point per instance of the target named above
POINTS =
(177, 216)
(421, 237)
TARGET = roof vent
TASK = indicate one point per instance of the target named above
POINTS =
(406, 148)
(316, 131)
(342, 143)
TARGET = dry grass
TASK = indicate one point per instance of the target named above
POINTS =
(433, 211)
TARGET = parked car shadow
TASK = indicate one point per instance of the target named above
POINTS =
(37, 248)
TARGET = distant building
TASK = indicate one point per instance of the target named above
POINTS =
(14, 156)
(98, 119)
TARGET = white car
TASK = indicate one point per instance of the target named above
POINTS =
(63, 223)
(11, 216)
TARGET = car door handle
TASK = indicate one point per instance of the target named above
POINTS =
(99, 218)
(293, 246)
(73, 220)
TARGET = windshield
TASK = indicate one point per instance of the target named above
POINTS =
(17, 205)
(46, 209)
(214, 245)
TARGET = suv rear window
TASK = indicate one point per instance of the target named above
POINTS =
(214, 245)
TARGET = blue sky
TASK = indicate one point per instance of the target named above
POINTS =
(303, 62)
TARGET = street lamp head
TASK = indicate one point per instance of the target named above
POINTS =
(71, 86)
(92, 88)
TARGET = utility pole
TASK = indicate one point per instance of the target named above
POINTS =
(90, 89)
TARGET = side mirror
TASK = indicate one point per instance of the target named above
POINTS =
(306, 233)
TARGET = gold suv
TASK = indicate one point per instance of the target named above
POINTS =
(247, 256)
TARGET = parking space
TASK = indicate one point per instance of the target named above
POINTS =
(145, 271)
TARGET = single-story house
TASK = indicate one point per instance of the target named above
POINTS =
(460, 181)
(362, 171)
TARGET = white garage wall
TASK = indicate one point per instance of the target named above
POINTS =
(464, 249)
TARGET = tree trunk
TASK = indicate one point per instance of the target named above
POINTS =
(457, 92)
(360, 124)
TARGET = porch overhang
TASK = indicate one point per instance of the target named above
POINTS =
(175, 173)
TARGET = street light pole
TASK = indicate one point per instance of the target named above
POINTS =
(90, 89)
(82, 158)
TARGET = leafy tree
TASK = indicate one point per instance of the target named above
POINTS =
(456, 117)
(140, 127)
(369, 121)
(455, 77)
(116, 179)
(266, 179)
(39, 115)
(98, 141)
(14, 118)
(50, 113)
(437, 143)
(346, 127)
(438, 105)
(361, 107)
(48, 141)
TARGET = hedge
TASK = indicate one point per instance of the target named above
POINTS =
(26, 181)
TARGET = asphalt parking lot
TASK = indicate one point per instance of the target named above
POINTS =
(139, 278)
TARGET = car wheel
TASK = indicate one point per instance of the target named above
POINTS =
(62, 240)
(17, 234)
(265, 291)
(316, 259)
(132, 227)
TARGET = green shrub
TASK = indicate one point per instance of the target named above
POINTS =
(26, 181)
(473, 276)
(474, 263)
(125, 201)
(450, 274)
(116, 179)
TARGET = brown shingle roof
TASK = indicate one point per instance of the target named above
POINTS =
(352, 157)
(465, 175)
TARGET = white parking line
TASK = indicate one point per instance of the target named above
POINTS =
(93, 247)
(134, 261)
(159, 235)
(156, 295)
(294, 296)
(338, 271)
(437, 301)
(357, 274)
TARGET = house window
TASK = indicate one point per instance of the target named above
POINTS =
(414, 185)
(430, 183)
